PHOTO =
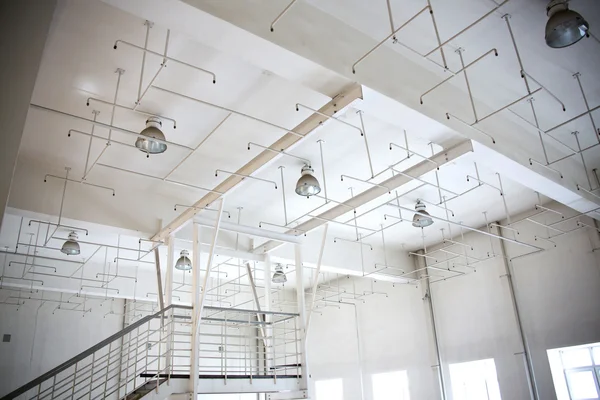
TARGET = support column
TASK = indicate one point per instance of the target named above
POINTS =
(302, 319)
(169, 295)
(197, 298)
(24, 27)
(194, 368)
(269, 331)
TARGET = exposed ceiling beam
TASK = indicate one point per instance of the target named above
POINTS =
(340, 101)
(375, 192)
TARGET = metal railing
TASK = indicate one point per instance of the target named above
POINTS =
(115, 367)
(233, 344)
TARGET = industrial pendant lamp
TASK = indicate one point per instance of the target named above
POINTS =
(71, 247)
(307, 185)
(421, 218)
(564, 27)
(183, 263)
(279, 275)
(152, 131)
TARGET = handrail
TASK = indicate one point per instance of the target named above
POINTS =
(42, 378)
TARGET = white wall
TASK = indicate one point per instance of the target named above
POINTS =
(41, 339)
(558, 296)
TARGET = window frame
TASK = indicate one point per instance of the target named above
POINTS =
(594, 368)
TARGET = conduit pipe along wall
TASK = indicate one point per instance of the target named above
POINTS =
(285, 142)
(375, 192)
(420, 265)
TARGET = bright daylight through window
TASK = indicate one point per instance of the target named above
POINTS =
(576, 372)
(330, 389)
(391, 386)
(475, 380)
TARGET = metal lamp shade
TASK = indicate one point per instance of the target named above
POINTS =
(564, 27)
(183, 262)
(421, 219)
(307, 185)
(152, 131)
(71, 247)
(279, 276)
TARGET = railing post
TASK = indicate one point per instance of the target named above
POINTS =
(74, 381)
(107, 367)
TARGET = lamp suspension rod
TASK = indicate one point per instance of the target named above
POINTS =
(577, 76)
(362, 124)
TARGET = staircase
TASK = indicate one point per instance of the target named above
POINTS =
(239, 351)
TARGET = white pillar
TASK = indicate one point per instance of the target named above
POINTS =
(170, 265)
(302, 319)
(194, 368)
(24, 27)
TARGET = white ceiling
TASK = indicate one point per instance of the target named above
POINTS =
(80, 62)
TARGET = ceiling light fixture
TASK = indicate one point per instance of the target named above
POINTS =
(564, 27)
(279, 275)
(152, 131)
(307, 185)
(71, 247)
(183, 262)
(421, 218)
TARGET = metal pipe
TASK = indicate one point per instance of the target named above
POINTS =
(298, 105)
(38, 107)
(532, 161)
(410, 152)
(576, 134)
(362, 124)
(508, 105)
(437, 34)
(462, 64)
(281, 14)
(448, 115)
(230, 110)
(459, 71)
(76, 181)
(467, 227)
(522, 334)
(335, 239)
(320, 141)
(388, 37)
(283, 195)
(435, 205)
(587, 191)
(525, 74)
(198, 208)
(306, 161)
(149, 114)
(87, 158)
(160, 179)
(363, 181)
(587, 106)
(468, 27)
(245, 176)
(166, 57)
(261, 223)
(573, 119)
(423, 181)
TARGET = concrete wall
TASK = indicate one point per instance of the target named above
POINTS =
(557, 294)
(42, 337)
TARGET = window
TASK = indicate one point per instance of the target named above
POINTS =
(475, 380)
(391, 386)
(330, 389)
(576, 372)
